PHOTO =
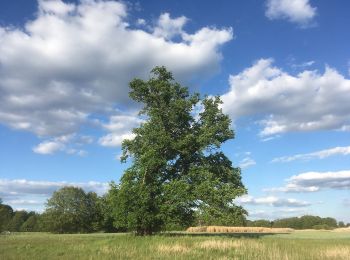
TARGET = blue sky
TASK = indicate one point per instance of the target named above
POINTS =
(281, 67)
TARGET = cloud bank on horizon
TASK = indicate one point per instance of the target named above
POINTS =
(314, 155)
(32, 195)
(272, 201)
(316, 181)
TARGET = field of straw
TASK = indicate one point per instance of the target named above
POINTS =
(223, 229)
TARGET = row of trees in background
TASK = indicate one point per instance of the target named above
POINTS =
(69, 210)
(20, 220)
(303, 222)
(72, 210)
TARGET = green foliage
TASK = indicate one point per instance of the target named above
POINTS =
(259, 223)
(71, 210)
(303, 222)
(178, 168)
(331, 222)
(17, 220)
(341, 224)
(322, 226)
(6, 213)
(31, 224)
(306, 222)
(287, 223)
(221, 216)
(108, 208)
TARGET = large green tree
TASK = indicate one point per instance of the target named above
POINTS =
(178, 168)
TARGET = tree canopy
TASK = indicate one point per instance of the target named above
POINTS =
(71, 210)
(102, 217)
(6, 214)
(303, 222)
(178, 169)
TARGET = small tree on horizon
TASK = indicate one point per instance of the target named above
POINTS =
(178, 168)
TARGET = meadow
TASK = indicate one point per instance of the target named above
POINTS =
(296, 245)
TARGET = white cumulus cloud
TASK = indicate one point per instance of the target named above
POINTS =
(308, 101)
(316, 181)
(70, 144)
(277, 214)
(246, 162)
(19, 187)
(271, 201)
(296, 11)
(74, 60)
(168, 28)
(55, 7)
(342, 150)
(120, 127)
(48, 147)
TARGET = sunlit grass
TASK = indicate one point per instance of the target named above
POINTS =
(297, 245)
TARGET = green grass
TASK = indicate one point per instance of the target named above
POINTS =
(298, 245)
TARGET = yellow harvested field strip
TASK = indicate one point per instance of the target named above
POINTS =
(223, 229)
(347, 229)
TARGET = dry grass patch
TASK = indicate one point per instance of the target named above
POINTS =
(173, 249)
(223, 229)
(219, 245)
(339, 253)
(233, 244)
(347, 229)
(108, 250)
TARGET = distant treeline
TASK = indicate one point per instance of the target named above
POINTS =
(72, 210)
(304, 222)
(69, 210)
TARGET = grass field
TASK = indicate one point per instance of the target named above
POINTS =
(301, 245)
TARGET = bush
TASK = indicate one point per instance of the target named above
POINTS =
(322, 226)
